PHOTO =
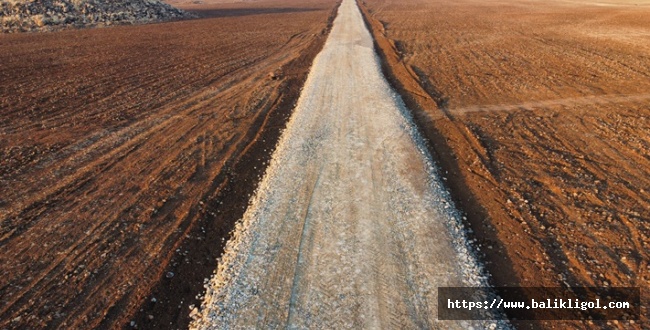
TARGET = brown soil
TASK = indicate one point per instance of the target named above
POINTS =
(128, 153)
(539, 113)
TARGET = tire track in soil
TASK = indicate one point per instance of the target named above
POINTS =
(225, 203)
(335, 236)
(107, 202)
(551, 167)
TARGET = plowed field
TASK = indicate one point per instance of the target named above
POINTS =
(127, 153)
(540, 112)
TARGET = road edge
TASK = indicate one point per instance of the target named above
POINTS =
(473, 189)
(229, 200)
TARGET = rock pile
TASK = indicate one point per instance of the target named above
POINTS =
(44, 15)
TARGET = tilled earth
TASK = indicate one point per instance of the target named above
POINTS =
(351, 227)
(127, 154)
(541, 115)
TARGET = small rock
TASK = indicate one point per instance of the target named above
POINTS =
(169, 274)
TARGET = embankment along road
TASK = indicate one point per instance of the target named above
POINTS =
(351, 225)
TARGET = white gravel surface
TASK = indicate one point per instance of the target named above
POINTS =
(351, 226)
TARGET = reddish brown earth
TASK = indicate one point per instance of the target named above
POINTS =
(540, 114)
(128, 153)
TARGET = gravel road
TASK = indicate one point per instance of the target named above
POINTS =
(351, 226)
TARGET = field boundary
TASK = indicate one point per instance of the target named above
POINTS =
(472, 187)
(228, 199)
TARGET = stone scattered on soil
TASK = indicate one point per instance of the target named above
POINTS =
(47, 15)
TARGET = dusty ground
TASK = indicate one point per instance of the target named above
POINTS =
(540, 111)
(223, 8)
(351, 227)
(128, 153)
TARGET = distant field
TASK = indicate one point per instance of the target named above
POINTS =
(548, 125)
(118, 147)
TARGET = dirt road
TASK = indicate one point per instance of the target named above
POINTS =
(539, 112)
(126, 152)
(351, 226)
